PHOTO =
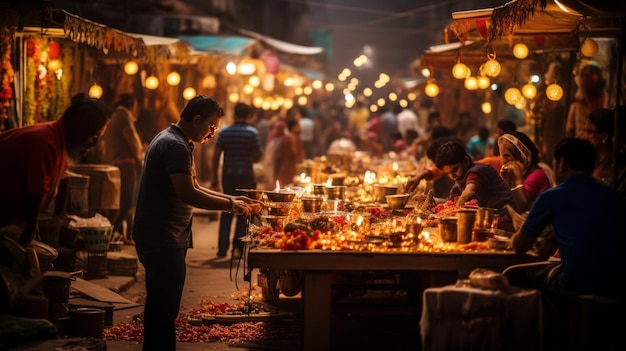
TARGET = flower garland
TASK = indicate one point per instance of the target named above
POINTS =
(7, 75)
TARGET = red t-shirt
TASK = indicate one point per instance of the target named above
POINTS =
(33, 161)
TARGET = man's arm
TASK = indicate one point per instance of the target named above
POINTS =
(185, 188)
(468, 193)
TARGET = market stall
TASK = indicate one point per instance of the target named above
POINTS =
(316, 239)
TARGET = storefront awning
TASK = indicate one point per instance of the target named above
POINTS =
(283, 46)
(46, 20)
(218, 44)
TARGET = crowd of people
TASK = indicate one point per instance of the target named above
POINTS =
(572, 208)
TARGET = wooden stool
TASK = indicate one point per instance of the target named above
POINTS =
(597, 322)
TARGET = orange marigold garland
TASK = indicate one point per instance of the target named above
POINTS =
(7, 75)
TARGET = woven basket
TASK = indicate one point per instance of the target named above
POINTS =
(96, 239)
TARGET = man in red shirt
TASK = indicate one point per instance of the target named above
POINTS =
(34, 159)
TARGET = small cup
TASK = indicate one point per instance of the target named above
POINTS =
(465, 225)
(448, 229)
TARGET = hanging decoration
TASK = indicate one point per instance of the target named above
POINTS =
(7, 75)
(101, 37)
(505, 18)
(54, 50)
(431, 89)
(95, 91)
(492, 67)
(529, 91)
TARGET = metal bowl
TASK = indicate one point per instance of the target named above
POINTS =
(397, 201)
(280, 196)
(276, 222)
(312, 204)
(335, 192)
(278, 208)
(380, 191)
(252, 193)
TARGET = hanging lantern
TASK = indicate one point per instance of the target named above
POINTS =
(554, 92)
(329, 87)
(512, 96)
(248, 89)
(460, 71)
(173, 79)
(152, 82)
(431, 89)
(54, 50)
(471, 83)
(189, 93)
(492, 68)
(520, 51)
(589, 47)
(131, 68)
(483, 82)
(529, 91)
(486, 107)
(95, 91)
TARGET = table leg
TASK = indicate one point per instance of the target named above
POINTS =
(316, 317)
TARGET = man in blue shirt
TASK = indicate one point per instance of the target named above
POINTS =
(241, 148)
(588, 231)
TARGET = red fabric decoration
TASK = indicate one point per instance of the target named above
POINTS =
(54, 50)
(30, 47)
(482, 26)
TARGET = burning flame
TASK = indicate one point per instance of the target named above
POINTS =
(359, 220)
(277, 186)
(395, 166)
(329, 182)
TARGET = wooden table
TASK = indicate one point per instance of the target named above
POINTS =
(317, 267)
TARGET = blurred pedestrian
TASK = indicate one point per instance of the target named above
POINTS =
(168, 191)
(240, 146)
(289, 153)
(122, 147)
(35, 158)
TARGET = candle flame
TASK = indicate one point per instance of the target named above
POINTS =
(359, 220)
(329, 182)
(395, 166)
(277, 186)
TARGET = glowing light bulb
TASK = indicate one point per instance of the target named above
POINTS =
(520, 50)
(492, 68)
(152, 82)
(460, 71)
(512, 96)
(589, 48)
(189, 93)
(173, 79)
(95, 91)
(554, 92)
(529, 91)
(486, 107)
(131, 68)
(431, 89)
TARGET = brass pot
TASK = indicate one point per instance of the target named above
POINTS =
(312, 204)
(381, 191)
(280, 196)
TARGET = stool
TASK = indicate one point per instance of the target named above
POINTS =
(597, 322)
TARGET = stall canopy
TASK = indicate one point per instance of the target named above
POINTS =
(44, 19)
(218, 44)
(542, 25)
